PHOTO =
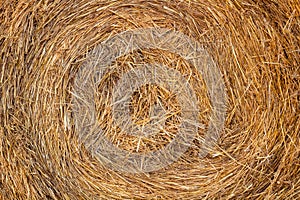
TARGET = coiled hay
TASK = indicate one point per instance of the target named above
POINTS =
(255, 45)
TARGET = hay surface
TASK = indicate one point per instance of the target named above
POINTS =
(255, 44)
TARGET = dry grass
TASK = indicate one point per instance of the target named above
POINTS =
(256, 45)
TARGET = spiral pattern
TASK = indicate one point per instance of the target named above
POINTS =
(77, 121)
(172, 80)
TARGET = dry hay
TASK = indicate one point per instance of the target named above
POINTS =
(255, 44)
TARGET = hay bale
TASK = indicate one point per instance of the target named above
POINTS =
(254, 44)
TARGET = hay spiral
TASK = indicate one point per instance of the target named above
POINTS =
(44, 45)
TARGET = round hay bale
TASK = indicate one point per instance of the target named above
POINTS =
(150, 99)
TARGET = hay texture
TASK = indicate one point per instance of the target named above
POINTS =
(255, 45)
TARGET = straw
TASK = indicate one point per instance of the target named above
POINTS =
(44, 45)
